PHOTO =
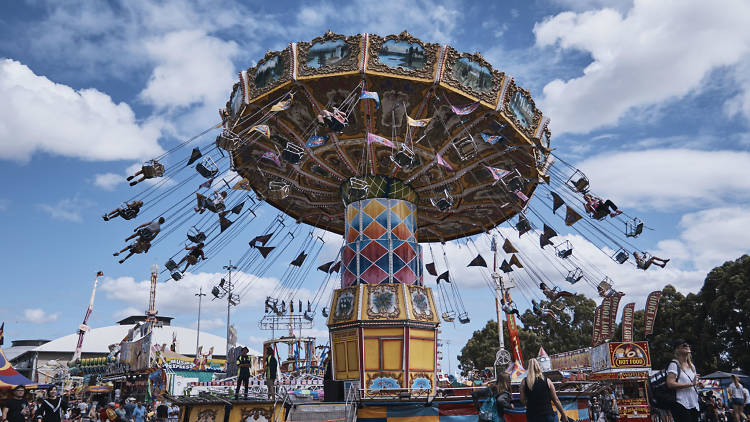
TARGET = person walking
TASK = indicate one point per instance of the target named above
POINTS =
(243, 372)
(270, 372)
(682, 378)
(500, 391)
(15, 409)
(737, 398)
(609, 405)
(52, 407)
(537, 394)
(139, 413)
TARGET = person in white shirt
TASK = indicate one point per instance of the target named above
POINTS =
(746, 410)
(682, 378)
(737, 398)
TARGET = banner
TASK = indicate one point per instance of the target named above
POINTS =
(613, 315)
(597, 326)
(627, 321)
(606, 315)
(652, 305)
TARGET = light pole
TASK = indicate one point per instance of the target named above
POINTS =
(230, 299)
(200, 295)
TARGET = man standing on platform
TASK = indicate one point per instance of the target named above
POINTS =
(243, 372)
(270, 372)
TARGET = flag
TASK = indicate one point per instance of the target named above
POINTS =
(271, 156)
(194, 156)
(497, 173)
(371, 137)
(505, 266)
(557, 202)
(238, 208)
(417, 122)
(265, 250)
(326, 267)
(444, 276)
(508, 247)
(316, 141)
(370, 95)
(492, 139)
(522, 196)
(597, 326)
(548, 233)
(627, 321)
(652, 306)
(299, 260)
(523, 225)
(2, 331)
(443, 163)
(467, 109)
(571, 216)
(478, 262)
(262, 129)
(335, 267)
(283, 104)
(261, 239)
(224, 223)
(431, 268)
(515, 261)
(613, 315)
(207, 184)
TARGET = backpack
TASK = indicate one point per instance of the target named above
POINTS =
(661, 396)
(488, 411)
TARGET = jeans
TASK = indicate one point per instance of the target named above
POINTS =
(681, 414)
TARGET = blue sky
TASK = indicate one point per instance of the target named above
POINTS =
(650, 99)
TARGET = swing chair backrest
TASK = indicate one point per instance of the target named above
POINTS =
(152, 168)
(514, 181)
(278, 189)
(170, 265)
(465, 147)
(324, 312)
(196, 236)
(621, 256)
(308, 315)
(463, 318)
(444, 202)
(634, 227)
(578, 182)
(228, 140)
(404, 157)
(207, 168)
(292, 153)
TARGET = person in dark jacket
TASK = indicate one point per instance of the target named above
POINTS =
(51, 408)
(537, 394)
(243, 372)
(270, 372)
(500, 389)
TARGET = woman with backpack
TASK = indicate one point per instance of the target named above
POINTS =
(498, 399)
(537, 394)
(682, 378)
(736, 398)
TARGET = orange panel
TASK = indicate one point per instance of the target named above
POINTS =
(392, 355)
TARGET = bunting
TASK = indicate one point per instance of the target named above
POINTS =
(652, 306)
(224, 223)
(370, 95)
(417, 122)
(467, 109)
(316, 141)
(238, 208)
(557, 202)
(445, 277)
(207, 184)
(443, 163)
(262, 129)
(194, 156)
(522, 196)
(508, 247)
(515, 261)
(523, 225)
(548, 233)
(261, 239)
(505, 266)
(268, 155)
(371, 137)
(336, 267)
(299, 259)
(478, 262)
(326, 267)
(431, 268)
(571, 216)
(283, 104)
(265, 250)
(491, 139)
(497, 173)
(627, 321)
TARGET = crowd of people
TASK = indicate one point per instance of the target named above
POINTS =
(22, 406)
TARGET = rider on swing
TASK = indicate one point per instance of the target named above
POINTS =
(643, 263)
(196, 253)
(335, 121)
(599, 208)
(128, 212)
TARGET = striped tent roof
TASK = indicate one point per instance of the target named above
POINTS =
(9, 377)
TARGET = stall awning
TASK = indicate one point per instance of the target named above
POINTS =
(9, 377)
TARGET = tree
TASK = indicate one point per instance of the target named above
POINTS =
(479, 352)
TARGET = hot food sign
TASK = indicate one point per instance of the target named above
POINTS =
(629, 354)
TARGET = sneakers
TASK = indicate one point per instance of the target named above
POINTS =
(616, 213)
(130, 178)
(116, 253)
(105, 218)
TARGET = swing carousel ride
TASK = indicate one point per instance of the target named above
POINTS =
(400, 146)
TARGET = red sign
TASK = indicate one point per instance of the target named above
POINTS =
(630, 355)
(597, 326)
(652, 305)
(627, 322)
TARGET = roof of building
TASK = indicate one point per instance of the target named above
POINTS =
(164, 320)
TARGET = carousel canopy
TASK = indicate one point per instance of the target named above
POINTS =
(9, 377)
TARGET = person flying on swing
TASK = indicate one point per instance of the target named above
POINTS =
(128, 212)
(643, 263)
(215, 203)
(150, 170)
(137, 247)
(195, 254)
(553, 294)
(147, 231)
(599, 208)
(335, 121)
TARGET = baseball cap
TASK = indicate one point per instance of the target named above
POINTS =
(679, 342)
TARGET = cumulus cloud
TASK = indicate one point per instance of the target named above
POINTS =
(39, 316)
(108, 181)
(669, 178)
(67, 209)
(39, 115)
(655, 52)
(210, 323)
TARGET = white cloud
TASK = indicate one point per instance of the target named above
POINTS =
(656, 52)
(710, 237)
(39, 115)
(67, 209)
(108, 181)
(669, 178)
(129, 311)
(39, 316)
(4, 204)
(210, 323)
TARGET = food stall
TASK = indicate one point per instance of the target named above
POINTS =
(625, 366)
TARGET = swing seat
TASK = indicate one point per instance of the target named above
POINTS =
(574, 276)
(228, 140)
(171, 265)
(292, 153)
(176, 276)
(578, 182)
(634, 228)
(324, 312)
(404, 157)
(207, 168)
(621, 256)
(152, 169)
(278, 190)
(443, 203)
(308, 315)
(214, 207)
(565, 253)
(358, 188)
(196, 236)
(515, 182)
(465, 147)
(449, 316)
(464, 318)
(557, 307)
(128, 213)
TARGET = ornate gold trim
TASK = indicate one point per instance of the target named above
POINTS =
(427, 375)
(397, 376)
(380, 288)
(349, 64)
(447, 77)
(270, 86)
(353, 309)
(422, 316)
(430, 57)
(508, 113)
(255, 413)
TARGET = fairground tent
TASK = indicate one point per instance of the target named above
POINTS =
(725, 378)
(9, 377)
